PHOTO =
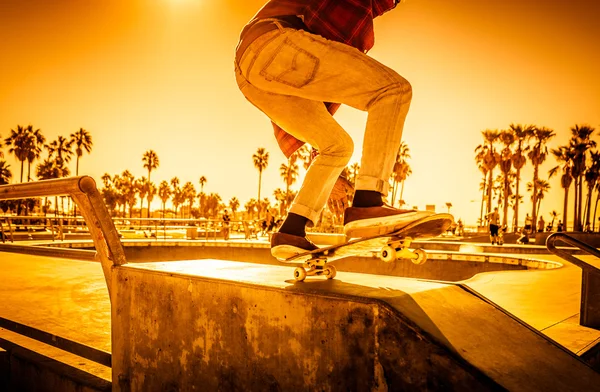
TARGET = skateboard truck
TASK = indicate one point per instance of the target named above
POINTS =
(314, 267)
(397, 248)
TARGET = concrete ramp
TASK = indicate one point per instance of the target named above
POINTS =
(219, 325)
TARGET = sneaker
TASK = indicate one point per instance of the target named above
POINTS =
(284, 246)
(371, 221)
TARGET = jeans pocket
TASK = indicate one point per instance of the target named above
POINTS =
(291, 65)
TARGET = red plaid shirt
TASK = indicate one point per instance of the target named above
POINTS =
(346, 21)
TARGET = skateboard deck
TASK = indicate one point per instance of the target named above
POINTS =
(394, 247)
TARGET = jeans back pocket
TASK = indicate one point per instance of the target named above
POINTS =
(291, 65)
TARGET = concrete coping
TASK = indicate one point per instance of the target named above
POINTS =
(466, 252)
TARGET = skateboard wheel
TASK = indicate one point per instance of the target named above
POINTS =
(299, 274)
(330, 272)
(388, 254)
(421, 256)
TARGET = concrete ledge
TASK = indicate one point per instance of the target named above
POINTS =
(36, 367)
(50, 251)
(238, 326)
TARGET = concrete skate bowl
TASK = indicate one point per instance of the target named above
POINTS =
(450, 266)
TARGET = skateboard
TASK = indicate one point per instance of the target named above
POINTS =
(315, 263)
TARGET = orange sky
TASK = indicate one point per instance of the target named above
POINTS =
(157, 74)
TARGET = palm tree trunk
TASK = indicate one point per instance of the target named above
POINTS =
(401, 192)
(588, 205)
(566, 207)
(580, 220)
(595, 209)
(575, 200)
(534, 198)
(258, 200)
(482, 202)
(505, 217)
(489, 192)
(516, 217)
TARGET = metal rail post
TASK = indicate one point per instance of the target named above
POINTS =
(589, 315)
(109, 250)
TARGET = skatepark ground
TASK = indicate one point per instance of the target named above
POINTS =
(515, 329)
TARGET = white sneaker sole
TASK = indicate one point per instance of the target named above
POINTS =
(284, 252)
(382, 225)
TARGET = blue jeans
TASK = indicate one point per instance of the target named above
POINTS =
(288, 74)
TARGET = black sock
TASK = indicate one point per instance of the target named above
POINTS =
(294, 224)
(367, 199)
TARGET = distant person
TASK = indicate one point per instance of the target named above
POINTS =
(494, 225)
(528, 222)
(559, 226)
(524, 239)
(541, 224)
(226, 220)
(460, 228)
(295, 56)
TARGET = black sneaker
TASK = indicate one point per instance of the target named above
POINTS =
(284, 246)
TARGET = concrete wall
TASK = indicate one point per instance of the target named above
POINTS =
(172, 332)
(4, 370)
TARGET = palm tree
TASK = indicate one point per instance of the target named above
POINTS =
(142, 186)
(261, 161)
(164, 193)
(151, 162)
(250, 206)
(18, 143)
(109, 193)
(5, 177)
(5, 173)
(35, 146)
(591, 178)
(506, 155)
(479, 158)
(189, 194)
(60, 147)
(127, 190)
(401, 170)
(306, 155)
(289, 173)
(490, 159)
(82, 141)
(234, 204)
(537, 155)
(45, 171)
(580, 143)
(176, 193)
(152, 190)
(202, 181)
(565, 156)
(542, 188)
(522, 135)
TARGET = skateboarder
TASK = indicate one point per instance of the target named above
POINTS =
(294, 58)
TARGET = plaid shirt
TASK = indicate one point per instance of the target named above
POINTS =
(346, 21)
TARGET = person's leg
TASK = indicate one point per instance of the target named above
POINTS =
(301, 64)
(288, 74)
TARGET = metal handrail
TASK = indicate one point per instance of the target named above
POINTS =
(589, 315)
(109, 250)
